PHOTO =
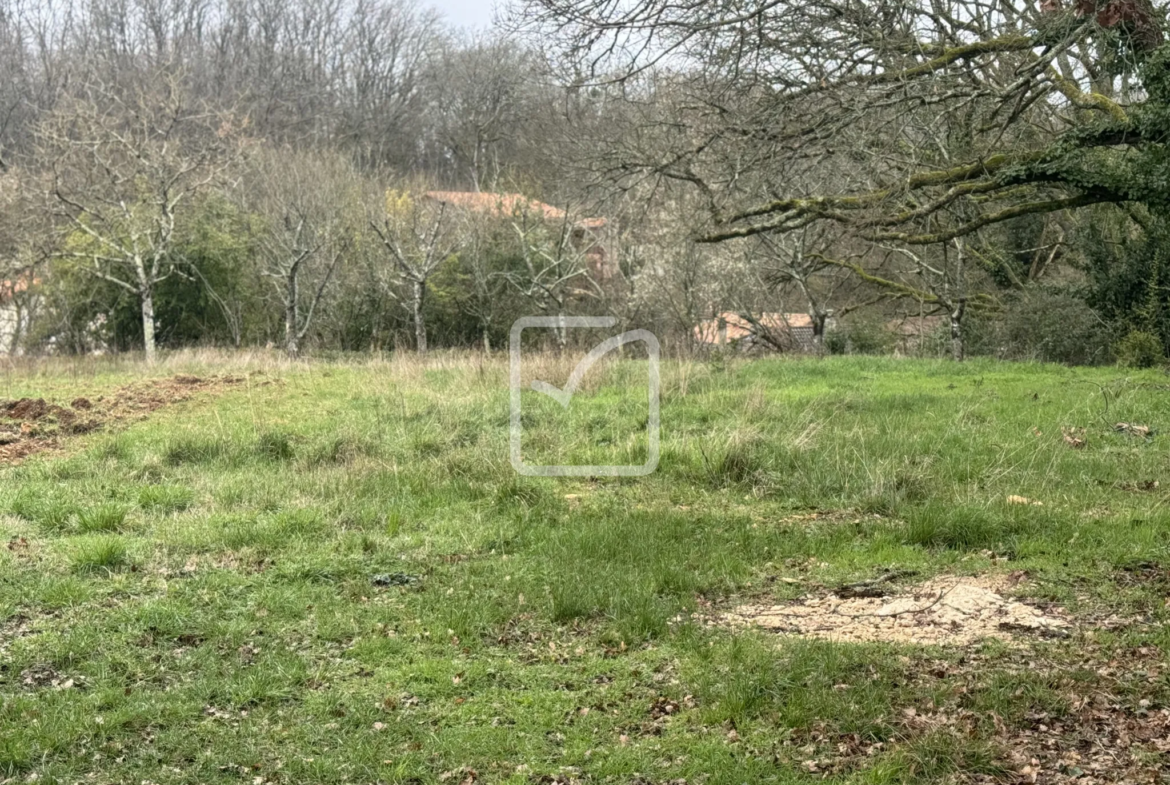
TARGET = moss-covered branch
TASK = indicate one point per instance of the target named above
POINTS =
(1007, 43)
(1007, 213)
(939, 177)
(897, 289)
(1083, 100)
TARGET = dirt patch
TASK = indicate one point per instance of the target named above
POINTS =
(948, 610)
(26, 409)
(14, 627)
(34, 425)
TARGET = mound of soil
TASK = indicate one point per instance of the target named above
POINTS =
(26, 409)
(947, 610)
(32, 425)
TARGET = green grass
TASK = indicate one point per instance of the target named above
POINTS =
(204, 581)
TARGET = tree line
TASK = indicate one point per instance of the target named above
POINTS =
(351, 174)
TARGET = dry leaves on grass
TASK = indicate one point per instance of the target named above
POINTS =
(1102, 737)
(1133, 429)
(1097, 744)
(1143, 486)
(1074, 437)
(947, 610)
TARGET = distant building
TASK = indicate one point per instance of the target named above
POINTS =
(588, 234)
(15, 314)
(791, 332)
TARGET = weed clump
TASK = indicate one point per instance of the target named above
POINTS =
(101, 554)
(275, 446)
(194, 450)
(106, 518)
(165, 498)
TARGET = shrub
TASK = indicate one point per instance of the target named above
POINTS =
(1139, 349)
(836, 342)
(1055, 327)
(868, 336)
(1041, 324)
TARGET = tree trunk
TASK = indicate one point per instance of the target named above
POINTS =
(418, 291)
(957, 349)
(291, 344)
(818, 328)
(148, 324)
(487, 342)
(960, 302)
(20, 319)
(562, 333)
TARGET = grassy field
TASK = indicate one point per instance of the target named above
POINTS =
(330, 573)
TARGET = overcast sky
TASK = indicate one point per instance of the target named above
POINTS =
(466, 13)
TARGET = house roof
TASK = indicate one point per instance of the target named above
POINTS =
(708, 331)
(509, 204)
(8, 289)
(915, 326)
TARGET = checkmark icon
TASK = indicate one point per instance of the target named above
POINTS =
(564, 395)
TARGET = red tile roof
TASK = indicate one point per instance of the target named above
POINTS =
(708, 331)
(10, 288)
(509, 204)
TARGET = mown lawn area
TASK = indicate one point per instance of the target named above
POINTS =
(330, 572)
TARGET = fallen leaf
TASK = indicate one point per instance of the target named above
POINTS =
(1134, 430)
(1023, 500)
(1074, 437)
(1144, 485)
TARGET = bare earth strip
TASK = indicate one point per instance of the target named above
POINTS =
(33, 425)
(947, 610)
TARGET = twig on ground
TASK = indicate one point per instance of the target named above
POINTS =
(871, 588)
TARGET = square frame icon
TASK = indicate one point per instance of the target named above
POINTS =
(564, 395)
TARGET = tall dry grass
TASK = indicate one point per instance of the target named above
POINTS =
(475, 368)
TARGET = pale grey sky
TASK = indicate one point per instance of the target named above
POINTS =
(466, 13)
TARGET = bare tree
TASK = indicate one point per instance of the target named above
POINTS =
(804, 261)
(486, 286)
(17, 276)
(309, 203)
(419, 233)
(386, 52)
(555, 267)
(676, 283)
(125, 166)
(481, 108)
(901, 122)
(946, 280)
